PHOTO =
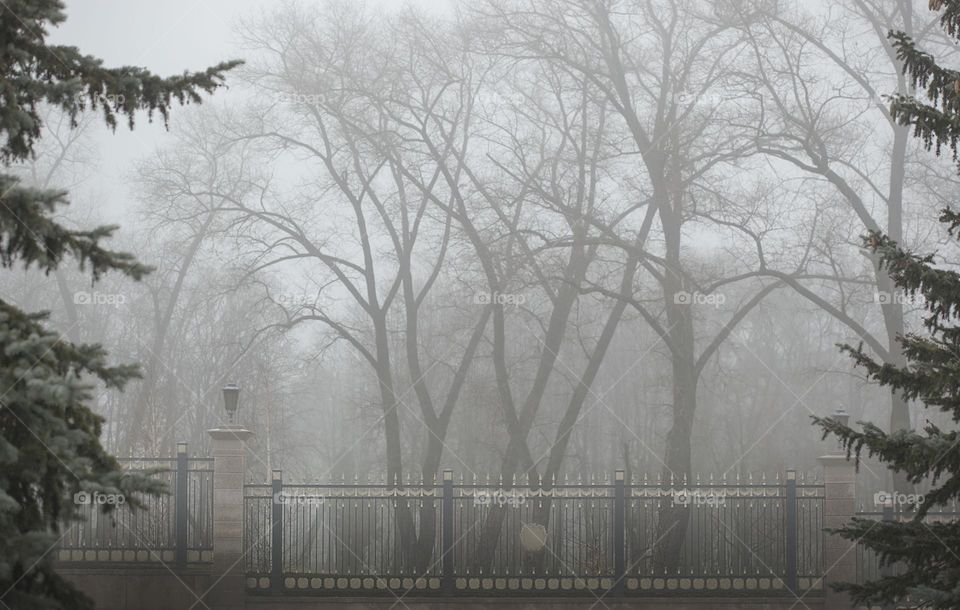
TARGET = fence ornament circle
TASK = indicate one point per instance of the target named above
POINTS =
(533, 537)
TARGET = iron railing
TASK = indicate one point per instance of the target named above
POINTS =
(176, 527)
(341, 537)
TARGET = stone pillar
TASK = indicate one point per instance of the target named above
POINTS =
(839, 554)
(229, 470)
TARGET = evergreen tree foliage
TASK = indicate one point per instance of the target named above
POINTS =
(49, 437)
(927, 552)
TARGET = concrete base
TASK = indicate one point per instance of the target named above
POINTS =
(537, 603)
(141, 587)
(156, 588)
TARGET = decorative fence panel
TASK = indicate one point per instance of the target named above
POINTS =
(176, 527)
(335, 529)
(735, 530)
(601, 536)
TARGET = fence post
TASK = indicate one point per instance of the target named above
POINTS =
(446, 521)
(839, 554)
(619, 531)
(180, 510)
(276, 533)
(229, 468)
(790, 515)
(887, 570)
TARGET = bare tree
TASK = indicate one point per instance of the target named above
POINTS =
(825, 115)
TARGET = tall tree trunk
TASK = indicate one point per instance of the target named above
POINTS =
(519, 426)
(391, 428)
(672, 519)
(140, 433)
(893, 309)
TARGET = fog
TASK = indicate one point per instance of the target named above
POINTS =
(261, 275)
(517, 239)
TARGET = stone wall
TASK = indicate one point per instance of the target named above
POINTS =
(141, 587)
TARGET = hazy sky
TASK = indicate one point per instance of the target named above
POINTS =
(167, 37)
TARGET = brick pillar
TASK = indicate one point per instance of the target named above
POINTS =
(839, 555)
(229, 469)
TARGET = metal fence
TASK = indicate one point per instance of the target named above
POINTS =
(174, 527)
(602, 535)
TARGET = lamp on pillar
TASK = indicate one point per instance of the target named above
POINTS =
(841, 416)
(231, 396)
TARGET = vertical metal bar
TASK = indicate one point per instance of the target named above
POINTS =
(276, 530)
(790, 515)
(619, 532)
(447, 532)
(887, 570)
(180, 511)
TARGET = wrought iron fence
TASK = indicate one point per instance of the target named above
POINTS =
(174, 527)
(740, 536)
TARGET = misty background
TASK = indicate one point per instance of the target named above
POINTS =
(500, 237)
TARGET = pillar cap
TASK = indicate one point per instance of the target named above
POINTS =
(228, 433)
(835, 459)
